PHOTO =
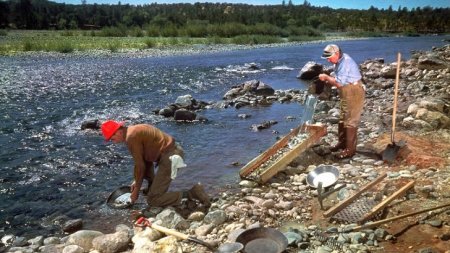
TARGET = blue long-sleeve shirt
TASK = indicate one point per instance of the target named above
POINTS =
(346, 70)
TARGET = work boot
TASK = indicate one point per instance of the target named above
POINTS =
(341, 138)
(350, 143)
(197, 192)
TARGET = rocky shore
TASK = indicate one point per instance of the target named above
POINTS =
(290, 205)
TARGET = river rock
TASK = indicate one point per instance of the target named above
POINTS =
(143, 240)
(196, 216)
(73, 249)
(216, 217)
(111, 243)
(83, 238)
(91, 124)
(170, 218)
(184, 115)
(264, 90)
(166, 112)
(184, 101)
(53, 248)
(167, 244)
(204, 229)
(427, 62)
(71, 226)
(38, 240)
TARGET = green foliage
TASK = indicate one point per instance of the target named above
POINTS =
(67, 33)
(255, 39)
(136, 32)
(365, 34)
(113, 46)
(305, 38)
(169, 31)
(120, 31)
(28, 46)
(64, 47)
(3, 33)
(150, 43)
(218, 19)
(152, 31)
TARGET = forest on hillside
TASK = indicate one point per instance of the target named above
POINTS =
(219, 19)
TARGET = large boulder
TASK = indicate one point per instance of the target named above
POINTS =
(264, 90)
(310, 70)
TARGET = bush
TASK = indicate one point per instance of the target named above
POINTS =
(120, 31)
(67, 33)
(169, 31)
(150, 43)
(28, 46)
(227, 30)
(136, 32)
(113, 46)
(305, 38)
(3, 33)
(64, 47)
(255, 39)
(365, 34)
(152, 31)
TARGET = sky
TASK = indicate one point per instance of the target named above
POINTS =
(335, 4)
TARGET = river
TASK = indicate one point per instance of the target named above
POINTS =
(49, 167)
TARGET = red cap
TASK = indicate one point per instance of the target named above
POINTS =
(109, 128)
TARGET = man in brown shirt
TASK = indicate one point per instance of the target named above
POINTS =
(150, 146)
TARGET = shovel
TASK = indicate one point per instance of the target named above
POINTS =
(390, 152)
(227, 248)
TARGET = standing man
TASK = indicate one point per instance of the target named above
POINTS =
(151, 147)
(347, 79)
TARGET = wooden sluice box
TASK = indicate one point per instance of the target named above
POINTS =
(279, 155)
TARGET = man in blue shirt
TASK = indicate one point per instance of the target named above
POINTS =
(347, 79)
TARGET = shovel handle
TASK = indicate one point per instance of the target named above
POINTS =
(182, 236)
(168, 231)
(394, 111)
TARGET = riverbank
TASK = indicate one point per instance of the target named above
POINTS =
(80, 43)
(288, 203)
(162, 51)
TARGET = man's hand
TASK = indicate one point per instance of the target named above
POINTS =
(134, 195)
(324, 77)
(134, 192)
(329, 80)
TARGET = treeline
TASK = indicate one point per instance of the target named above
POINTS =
(215, 19)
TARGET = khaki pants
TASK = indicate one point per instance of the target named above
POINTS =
(158, 194)
(352, 104)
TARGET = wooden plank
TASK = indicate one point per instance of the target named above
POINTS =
(315, 135)
(346, 202)
(388, 200)
(381, 222)
(257, 161)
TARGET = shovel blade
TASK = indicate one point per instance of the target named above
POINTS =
(390, 153)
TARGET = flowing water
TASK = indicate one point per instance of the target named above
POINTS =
(49, 167)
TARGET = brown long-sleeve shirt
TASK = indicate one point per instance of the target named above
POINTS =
(146, 143)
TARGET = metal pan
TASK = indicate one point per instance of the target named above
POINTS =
(258, 240)
(325, 174)
(111, 201)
